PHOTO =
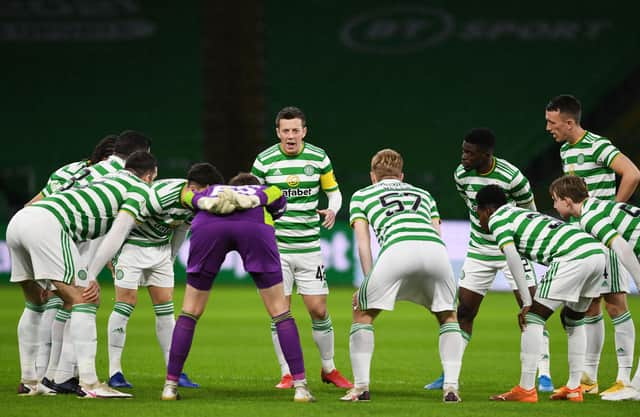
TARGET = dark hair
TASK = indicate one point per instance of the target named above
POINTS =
(103, 149)
(570, 186)
(482, 137)
(289, 113)
(141, 163)
(244, 178)
(204, 174)
(567, 104)
(131, 141)
(491, 196)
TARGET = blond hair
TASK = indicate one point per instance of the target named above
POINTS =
(387, 163)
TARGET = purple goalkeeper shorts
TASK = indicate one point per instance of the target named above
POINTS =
(211, 241)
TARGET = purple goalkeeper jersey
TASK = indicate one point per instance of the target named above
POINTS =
(272, 204)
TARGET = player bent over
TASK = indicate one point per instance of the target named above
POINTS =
(252, 234)
(413, 266)
(617, 225)
(146, 260)
(576, 263)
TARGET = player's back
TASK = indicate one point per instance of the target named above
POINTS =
(273, 207)
(606, 219)
(397, 211)
(539, 237)
(63, 175)
(88, 211)
(158, 229)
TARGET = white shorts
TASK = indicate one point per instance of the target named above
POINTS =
(416, 271)
(138, 266)
(616, 278)
(87, 251)
(307, 270)
(40, 249)
(478, 275)
(572, 283)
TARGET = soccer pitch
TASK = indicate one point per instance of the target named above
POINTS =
(233, 360)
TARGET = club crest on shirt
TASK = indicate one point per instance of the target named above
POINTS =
(580, 159)
(82, 274)
(308, 170)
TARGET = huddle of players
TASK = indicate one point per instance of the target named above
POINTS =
(406, 222)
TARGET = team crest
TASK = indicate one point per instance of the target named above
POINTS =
(82, 274)
(119, 274)
(580, 159)
(293, 181)
(308, 170)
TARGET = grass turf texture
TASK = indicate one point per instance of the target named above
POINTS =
(232, 358)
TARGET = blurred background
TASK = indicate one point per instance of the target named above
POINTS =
(205, 80)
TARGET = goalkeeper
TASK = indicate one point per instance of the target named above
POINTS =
(244, 223)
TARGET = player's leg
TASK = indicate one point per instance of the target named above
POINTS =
(195, 300)
(270, 288)
(439, 288)
(594, 327)
(53, 303)
(57, 339)
(476, 278)
(287, 267)
(22, 273)
(125, 302)
(310, 279)
(624, 331)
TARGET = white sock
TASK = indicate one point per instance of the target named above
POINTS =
(625, 337)
(28, 327)
(577, 340)
(361, 344)
(66, 364)
(165, 322)
(44, 335)
(451, 347)
(531, 341)
(85, 341)
(594, 328)
(284, 366)
(544, 362)
(57, 334)
(117, 334)
(322, 332)
(635, 382)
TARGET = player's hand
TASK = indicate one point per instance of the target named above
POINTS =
(354, 301)
(91, 294)
(244, 201)
(216, 205)
(329, 218)
(522, 322)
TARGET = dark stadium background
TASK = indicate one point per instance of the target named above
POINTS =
(205, 80)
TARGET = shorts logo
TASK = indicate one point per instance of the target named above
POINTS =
(308, 170)
(293, 181)
(82, 274)
(119, 274)
(580, 159)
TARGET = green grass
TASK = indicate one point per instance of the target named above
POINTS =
(232, 357)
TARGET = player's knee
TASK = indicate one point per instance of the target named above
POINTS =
(595, 308)
(466, 314)
(614, 310)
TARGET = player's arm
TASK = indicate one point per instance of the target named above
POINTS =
(436, 222)
(625, 253)
(629, 176)
(363, 240)
(113, 241)
(37, 197)
(178, 238)
(514, 262)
